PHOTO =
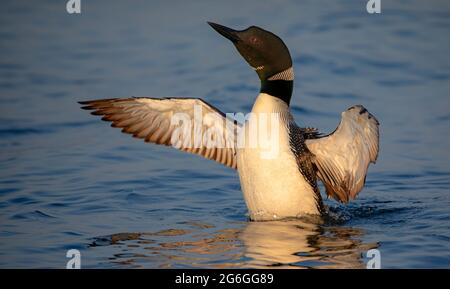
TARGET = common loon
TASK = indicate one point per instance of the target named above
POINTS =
(277, 187)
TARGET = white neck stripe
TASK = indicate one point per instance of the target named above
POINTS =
(287, 74)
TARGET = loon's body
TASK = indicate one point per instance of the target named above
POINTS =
(278, 172)
(275, 187)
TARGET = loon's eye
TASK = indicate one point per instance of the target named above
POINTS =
(255, 40)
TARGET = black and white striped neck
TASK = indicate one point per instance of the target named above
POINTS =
(279, 85)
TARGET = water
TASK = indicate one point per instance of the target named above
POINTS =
(67, 180)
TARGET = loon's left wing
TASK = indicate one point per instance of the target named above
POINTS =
(343, 157)
(188, 124)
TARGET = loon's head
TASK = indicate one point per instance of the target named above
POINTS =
(267, 55)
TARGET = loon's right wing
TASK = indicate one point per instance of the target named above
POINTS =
(343, 157)
(188, 124)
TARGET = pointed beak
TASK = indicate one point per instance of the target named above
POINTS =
(226, 32)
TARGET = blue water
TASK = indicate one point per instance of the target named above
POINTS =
(68, 180)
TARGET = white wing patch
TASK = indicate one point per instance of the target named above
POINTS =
(343, 157)
(158, 121)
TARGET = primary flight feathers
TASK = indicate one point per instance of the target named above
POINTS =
(151, 119)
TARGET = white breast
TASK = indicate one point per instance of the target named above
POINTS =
(272, 185)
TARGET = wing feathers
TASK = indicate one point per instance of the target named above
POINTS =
(151, 119)
(343, 157)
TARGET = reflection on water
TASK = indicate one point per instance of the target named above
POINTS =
(281, 244)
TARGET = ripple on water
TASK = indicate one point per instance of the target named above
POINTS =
(14, 132)
(33, 215)
(23, 200)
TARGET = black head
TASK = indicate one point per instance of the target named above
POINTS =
(263, 50)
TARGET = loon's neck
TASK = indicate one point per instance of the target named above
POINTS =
(279, 85)
(281, 89)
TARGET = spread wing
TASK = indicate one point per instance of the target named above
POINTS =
(188, 124)
(343, 157)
